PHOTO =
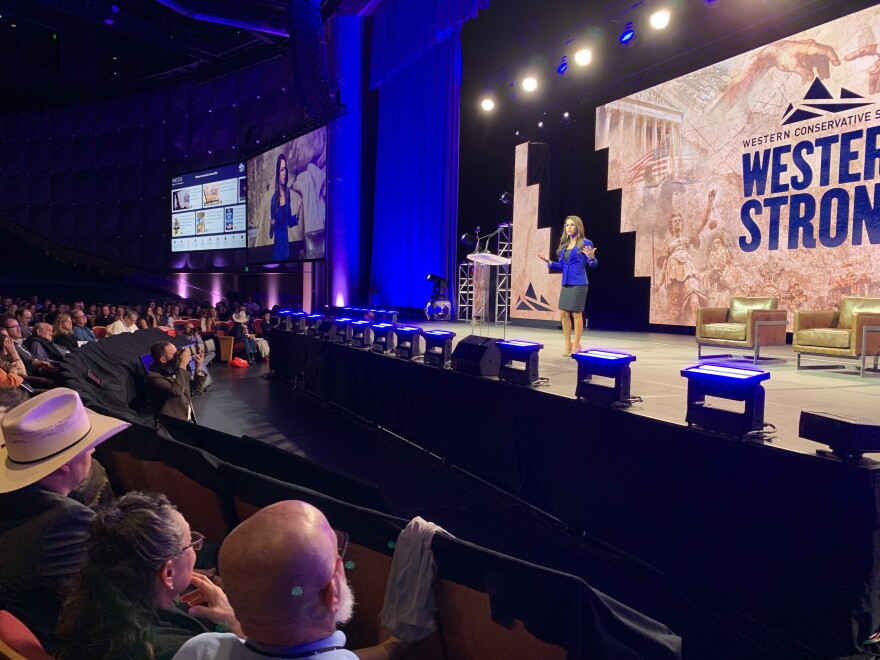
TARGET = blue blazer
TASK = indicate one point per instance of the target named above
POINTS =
(574, 269)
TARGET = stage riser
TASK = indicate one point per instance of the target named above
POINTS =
(767, 536)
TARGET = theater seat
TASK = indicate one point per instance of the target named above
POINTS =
(748, 323)
(100, 331)
(17, 642)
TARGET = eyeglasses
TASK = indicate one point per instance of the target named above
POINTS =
(196, 542)
(341, 543)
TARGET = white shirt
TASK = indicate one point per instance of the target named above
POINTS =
(119, 327)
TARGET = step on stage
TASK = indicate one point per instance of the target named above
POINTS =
(773, 533)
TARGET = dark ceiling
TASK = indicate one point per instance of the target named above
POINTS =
(61, 52)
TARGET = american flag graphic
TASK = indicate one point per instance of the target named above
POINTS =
(653, 166)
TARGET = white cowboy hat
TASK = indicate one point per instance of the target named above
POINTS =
(240, 317)
(44, 433)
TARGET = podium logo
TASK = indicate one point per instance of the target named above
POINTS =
(819, 102)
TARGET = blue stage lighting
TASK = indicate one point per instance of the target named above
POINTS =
(724, 382)
(408, 344)
(383, 338)
(361, 335)
(608, 364)
(513, 352)
(562, 68)
(438, 347)
(628, 34)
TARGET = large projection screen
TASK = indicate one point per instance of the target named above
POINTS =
(757, 175)
(305, 239)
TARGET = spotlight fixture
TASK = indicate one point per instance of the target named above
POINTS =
(583, 57)
(487, 104)
(628, 34)
(440, 284)
(468, 239)
(660, 19)
(408, 344)
(506, 198)
(438, 347)
(540, 124)
(562, 68)
(529, 84)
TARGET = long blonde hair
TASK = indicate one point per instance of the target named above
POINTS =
(563, 240)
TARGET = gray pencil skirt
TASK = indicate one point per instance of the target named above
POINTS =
(573, 298)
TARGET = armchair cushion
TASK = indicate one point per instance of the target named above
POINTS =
(734, 331)
(823, 337)
(739, 307)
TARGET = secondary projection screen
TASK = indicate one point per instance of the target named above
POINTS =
(208, 209)
(757, 175)
(287, 201)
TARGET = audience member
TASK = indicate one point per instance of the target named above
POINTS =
(283, 571)
(10, 361)
(42, 346)
(170, 383)
(105, 318)
(124, 603)
(126, 323)
(33, 365)
(25, 317)
(62, 332)
(47, 449)
(80, 327)
(241, 333)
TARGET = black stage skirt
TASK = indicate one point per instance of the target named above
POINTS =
(573, 298)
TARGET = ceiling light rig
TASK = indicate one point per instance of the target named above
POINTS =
(583, 57)
(487, 104)
(628, 35)
(529, 84)
(660, 19)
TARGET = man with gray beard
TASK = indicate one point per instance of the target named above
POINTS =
(283, 573)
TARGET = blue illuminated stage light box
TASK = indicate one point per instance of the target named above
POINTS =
(408, 343)
(343, 330)
(312, 321)
(725, 382)
(383, 338)
(519, 361)
(438, 347)
(361, 334)
(607, 364)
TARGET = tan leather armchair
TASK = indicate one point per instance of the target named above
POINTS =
(852, 332)
(748, 323)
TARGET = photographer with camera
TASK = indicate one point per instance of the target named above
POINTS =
(170, 382)
(208, 350)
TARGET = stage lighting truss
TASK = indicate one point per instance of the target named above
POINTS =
(731, 383)
(607, 364)
(519, 361)
(438, 347)
(408, 346)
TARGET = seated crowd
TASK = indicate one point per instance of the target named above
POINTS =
(118, 579)
(36, 337)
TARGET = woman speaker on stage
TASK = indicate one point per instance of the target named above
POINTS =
(574, 254)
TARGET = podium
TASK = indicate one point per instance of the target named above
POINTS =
(484, 260)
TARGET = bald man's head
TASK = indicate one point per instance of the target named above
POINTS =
(282, 573)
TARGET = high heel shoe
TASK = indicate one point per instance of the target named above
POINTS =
(576, 349)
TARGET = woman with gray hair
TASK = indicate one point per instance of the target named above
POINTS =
(125, 603)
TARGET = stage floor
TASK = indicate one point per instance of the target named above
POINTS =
(657, 379)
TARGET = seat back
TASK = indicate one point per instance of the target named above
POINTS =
(17, 642)
(258, 326)
(851, 304)
(740, 306)
(100, 331)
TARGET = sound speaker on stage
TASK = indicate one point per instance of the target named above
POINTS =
(476, 355)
